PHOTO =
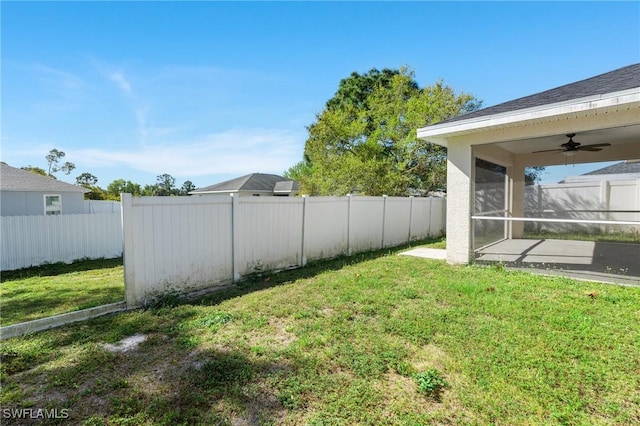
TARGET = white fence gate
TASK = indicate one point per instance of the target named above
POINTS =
(179, 244)
(33, 240)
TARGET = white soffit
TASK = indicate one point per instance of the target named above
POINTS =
(439, 133)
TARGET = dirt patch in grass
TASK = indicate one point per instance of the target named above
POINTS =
(126, 344)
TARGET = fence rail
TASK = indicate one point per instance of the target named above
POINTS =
(174, 244)
(34, 240)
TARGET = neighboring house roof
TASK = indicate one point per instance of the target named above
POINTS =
(625, 170)
(625, 167)
(255, 182)
(12, 179)
(614, 81)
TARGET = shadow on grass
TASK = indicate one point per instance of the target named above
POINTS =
(173, 377)
(262, 281)
(59, 268)
(180, 385)
(55, 302)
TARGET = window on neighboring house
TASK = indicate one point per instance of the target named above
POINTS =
(52, 204)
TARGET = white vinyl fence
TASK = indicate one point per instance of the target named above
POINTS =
(187, 244)
(615, 200)
(34, 240)
(101, 206)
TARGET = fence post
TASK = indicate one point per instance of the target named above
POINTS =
(430, 218)
(303, 250)
(539, 207)
(349, 198)
(410, 217)
(384, 217)
(128, 241)
(605, 202)
(235, 226)
(443, 207)
(637, 203)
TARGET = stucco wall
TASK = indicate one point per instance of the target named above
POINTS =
(459, 197)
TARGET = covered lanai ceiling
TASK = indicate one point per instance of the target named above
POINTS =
(624, 140)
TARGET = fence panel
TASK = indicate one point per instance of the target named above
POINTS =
(101, 206)
(625, 195)
(176, 244)
(326, 227)
(397, 220)
(269, 234)
(35, 240)
(365, 223)
(596, 200)
(420, 209)
(437, 217)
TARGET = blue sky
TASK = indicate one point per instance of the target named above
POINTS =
(208, 91)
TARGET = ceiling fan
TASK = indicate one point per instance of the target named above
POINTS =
(571, 147)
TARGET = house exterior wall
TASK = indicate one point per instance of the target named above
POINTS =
(31, 203)
(459, 202)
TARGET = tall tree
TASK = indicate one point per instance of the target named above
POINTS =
(53, 160)
(365, 138)
(187, 187)
(166, 185)
(119, 186)
(86, 179)
(89, 181)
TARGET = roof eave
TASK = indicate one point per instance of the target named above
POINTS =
(440, 133)
(52, 190)
(213, 192)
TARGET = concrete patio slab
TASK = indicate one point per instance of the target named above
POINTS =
(589, 260)
(427, 253)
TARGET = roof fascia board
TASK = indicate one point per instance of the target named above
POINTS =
(47, 190)
(214, 192)
(438, 133)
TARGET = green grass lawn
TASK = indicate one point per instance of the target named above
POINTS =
(373, 339)
(33, 293)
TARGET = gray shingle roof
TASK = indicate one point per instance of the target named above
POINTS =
(618, 168)
(251, 182)
(12, 179)
(614, 81)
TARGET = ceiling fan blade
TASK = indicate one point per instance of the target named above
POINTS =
(588, 148)
(595, 145)
(548, 150)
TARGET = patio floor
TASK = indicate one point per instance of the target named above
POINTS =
(589, 260)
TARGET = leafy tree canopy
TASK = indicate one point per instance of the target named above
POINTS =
(89, 181)
(187, 187)
(53, 161)
(118, 186)
(36, 170)
(86, 179)
(365, 139)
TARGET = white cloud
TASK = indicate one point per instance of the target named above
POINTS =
(119, 78)
(232, 152)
